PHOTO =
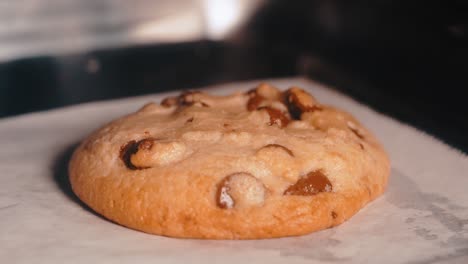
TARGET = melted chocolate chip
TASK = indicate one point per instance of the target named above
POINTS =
(132, 147)
(276, 116)
(298, 102)
(314, 182)
(126, 152)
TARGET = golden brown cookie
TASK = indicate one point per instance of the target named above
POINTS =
(259, 164)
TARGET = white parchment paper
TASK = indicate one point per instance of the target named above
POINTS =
(422, 218)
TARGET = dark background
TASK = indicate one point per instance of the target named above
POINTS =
(407, 59)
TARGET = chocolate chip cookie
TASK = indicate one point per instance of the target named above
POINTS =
(258, 164)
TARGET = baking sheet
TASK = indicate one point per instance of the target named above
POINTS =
(422, 218)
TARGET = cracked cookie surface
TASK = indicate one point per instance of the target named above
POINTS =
(258, 164)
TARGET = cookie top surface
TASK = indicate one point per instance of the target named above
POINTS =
(259, 164)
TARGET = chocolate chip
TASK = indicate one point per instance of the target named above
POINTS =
(254, 102)
(126, 152)
(190, 120)
(312, 183)
(299, 101)
(276, 116)
(334, 214)
(132, 147)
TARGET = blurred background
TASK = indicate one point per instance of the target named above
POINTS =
(407, 59)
